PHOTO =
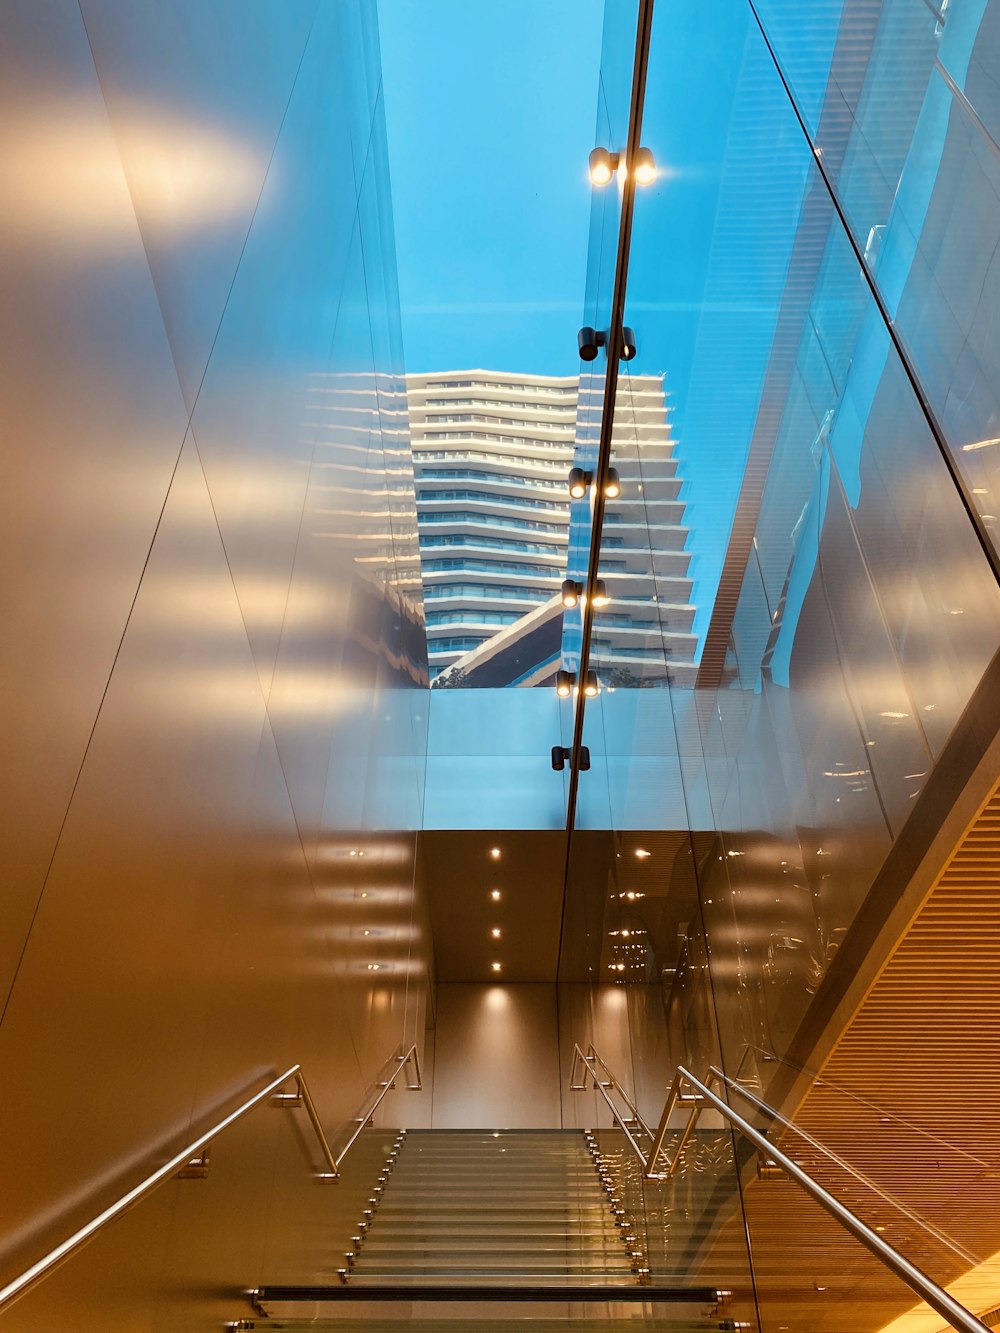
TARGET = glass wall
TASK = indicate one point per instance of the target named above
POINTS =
(842, 604)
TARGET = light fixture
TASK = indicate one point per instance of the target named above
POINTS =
(579, 480)
(613, 485)
(589, 341)
(565, 680)
(496, 932)
(571, 591)
(592, 686)
(643, 167)
(495, 967)
(495, 853)
(602, 166)
(641, 853)
(496, 895)
(600, 597)
(562, 754)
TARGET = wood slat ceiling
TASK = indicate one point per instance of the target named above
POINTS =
(908, 1100)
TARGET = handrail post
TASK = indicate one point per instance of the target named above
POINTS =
(674, 1099)
(331, 1172)
(415, 1082)
(574, 1082)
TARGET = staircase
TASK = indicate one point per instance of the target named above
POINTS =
(506, 1230)
(520, 1208)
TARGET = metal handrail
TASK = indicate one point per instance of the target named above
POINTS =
(413, 1083)
(589, 1063)
(700, 1096)
(195, 1155)
(915, 1278)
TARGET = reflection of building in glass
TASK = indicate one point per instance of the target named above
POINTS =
(643, 636)
(360, 504)
(491, 452)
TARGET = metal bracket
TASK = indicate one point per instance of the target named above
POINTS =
(197, 1167)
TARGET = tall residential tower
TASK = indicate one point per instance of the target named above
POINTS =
(491, 456)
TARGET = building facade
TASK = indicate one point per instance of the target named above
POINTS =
(491, 453)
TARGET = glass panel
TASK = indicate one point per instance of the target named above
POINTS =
(841, 614)
(901, 103)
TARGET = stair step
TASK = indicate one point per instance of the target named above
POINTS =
(473, 1277)
(440, 1264)
(470, 1198)
(373, 1248)
(487, 1233)
(503, 1210)
(550, 1207)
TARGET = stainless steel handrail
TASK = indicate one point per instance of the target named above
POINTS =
(197, 1150)
(414, 1084)
(965, 1255)
(701, 1096)
(589, 1062)
(915, 1278)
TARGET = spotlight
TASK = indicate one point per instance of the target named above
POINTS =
(578, 482)
(602, 166)
(561, 755)
(565, 680)
(495, 895)
(495, 853)
(589, 341)
(643, 167)
(613, 485)
(496, 968)
(570, 592)
(628, 343)
(592, 686)
(600, 597)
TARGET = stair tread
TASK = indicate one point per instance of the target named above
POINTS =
(507, 1208)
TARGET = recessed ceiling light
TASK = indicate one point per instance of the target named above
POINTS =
(641, 853)
(496, 966)
(496, 895)
(495, 853)
(495, 932)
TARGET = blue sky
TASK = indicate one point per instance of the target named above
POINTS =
(491, 111)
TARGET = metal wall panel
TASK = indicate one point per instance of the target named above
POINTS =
(209, 633)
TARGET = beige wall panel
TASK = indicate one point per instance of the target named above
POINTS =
(496, 1061)
(93, 425)
(181, 952)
